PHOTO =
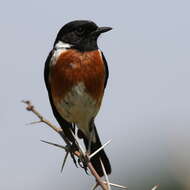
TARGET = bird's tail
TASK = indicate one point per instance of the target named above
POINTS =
(100, 155)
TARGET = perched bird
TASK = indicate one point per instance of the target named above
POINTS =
(76, 75)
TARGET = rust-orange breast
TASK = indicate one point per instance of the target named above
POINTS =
(73, 67)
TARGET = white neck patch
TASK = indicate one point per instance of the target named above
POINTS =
(62, 45)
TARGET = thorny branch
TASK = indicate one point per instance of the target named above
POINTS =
(105, 185)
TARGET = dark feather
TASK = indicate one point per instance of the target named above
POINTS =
(100, 155)
(106, 69)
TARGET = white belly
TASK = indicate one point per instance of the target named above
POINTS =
(78, 107)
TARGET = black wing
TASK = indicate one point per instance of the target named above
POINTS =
(106, 69)
(46, 71)
(66, 126)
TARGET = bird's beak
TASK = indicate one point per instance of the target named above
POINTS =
(101, 30)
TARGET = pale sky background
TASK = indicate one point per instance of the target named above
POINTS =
(146, 108)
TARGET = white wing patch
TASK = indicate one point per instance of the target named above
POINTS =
(60, 47)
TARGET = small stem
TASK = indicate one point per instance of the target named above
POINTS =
(31, 108)
(98, 178)
(106, 176)
(64, 161)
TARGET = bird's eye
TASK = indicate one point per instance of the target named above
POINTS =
(80, 31)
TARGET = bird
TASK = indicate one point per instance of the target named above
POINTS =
(76, 74)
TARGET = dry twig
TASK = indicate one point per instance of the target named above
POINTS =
(31, 108)
(104, 184)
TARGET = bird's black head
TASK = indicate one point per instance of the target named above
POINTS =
(80, 34)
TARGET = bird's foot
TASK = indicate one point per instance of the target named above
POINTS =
(83, 161)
